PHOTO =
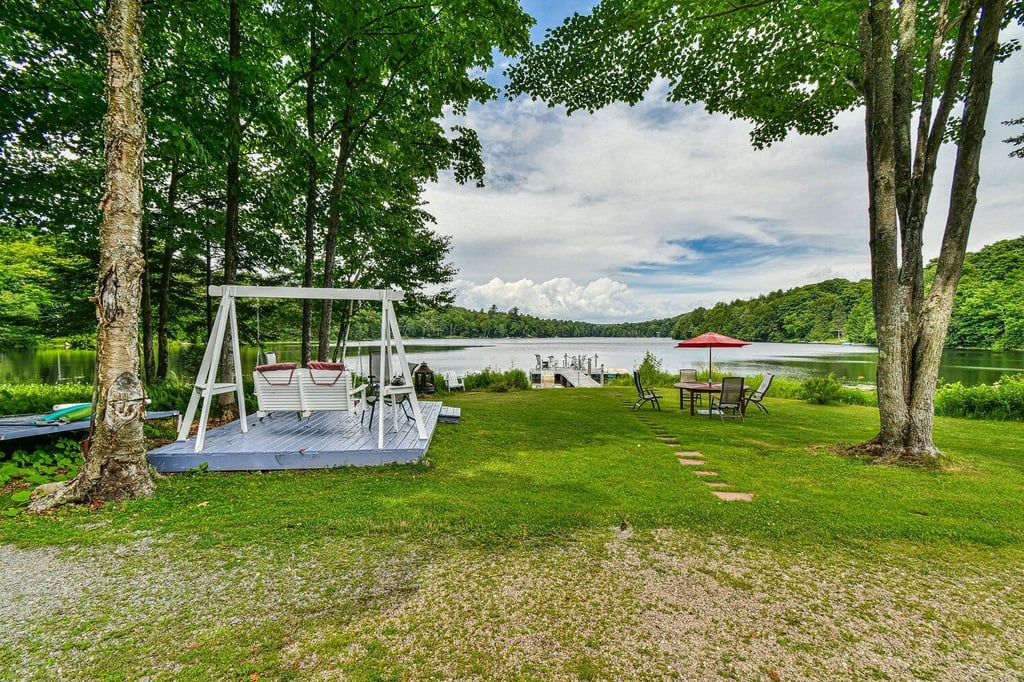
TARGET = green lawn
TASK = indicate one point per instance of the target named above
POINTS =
(356, 571)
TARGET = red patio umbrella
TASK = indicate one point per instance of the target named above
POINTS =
(711, 340)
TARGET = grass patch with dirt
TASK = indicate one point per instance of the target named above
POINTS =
(504, 557)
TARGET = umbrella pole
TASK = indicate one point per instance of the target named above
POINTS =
(710, 377)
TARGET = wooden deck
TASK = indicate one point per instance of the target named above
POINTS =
(24, 426)
(281, 441)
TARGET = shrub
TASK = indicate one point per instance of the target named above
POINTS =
(1002, 400)
(650, 370)
(782, 387)
(80, 341)
(171, 394)
(651, 374)
(499, 382)
(56, 462)
(39, 398)
(824, 390)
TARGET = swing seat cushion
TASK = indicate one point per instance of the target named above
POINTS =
(325, 372)
(336, 366)
(276, 366)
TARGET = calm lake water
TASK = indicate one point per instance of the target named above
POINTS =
(852, 363)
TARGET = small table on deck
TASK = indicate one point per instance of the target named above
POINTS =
(695, 387)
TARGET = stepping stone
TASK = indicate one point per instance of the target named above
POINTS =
(716, 484)
(691, 453)
(691, 462)
(706, 473)
(734, 497)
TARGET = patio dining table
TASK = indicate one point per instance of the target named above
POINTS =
(695, 387)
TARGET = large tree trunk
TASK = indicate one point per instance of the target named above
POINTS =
(163, 351)
(226, 401)
(311, 194)
(166, 265)
(912, 326)
(115, 460)
(938, 304)
(146, 304)
(334, 225)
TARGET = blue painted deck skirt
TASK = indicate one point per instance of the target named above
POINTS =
(281, 441)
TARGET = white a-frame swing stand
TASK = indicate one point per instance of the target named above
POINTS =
(207, 386)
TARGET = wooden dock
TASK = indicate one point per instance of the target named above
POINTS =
(323, 440)
(25, 426)
(562, 376)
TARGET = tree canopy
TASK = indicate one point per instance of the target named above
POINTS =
(789, 65)
(336, 112)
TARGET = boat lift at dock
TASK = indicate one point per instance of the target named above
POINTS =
(571, 371)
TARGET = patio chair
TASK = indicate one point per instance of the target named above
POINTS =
(729, 399)
(378, 373)
(453, 381)
(690, 376)
(389, 399)
(644, 395)
(757, 396)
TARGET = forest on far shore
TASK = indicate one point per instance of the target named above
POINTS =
(988, 313)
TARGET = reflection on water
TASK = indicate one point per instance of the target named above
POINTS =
(851, 363)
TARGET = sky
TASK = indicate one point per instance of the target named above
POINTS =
(645, 212)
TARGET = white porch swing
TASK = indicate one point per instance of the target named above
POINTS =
(207, 386)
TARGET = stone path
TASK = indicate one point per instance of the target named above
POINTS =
(693, 458)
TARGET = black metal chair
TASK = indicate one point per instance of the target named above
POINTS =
(757, 396)
(644, 395)
(373, 398)
(729, 399)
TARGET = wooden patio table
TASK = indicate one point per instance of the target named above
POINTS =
(695, 387)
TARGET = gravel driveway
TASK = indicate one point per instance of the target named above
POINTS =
(664, 605)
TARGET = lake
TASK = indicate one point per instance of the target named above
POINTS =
(855, 364)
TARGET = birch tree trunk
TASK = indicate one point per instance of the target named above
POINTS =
(115, 457)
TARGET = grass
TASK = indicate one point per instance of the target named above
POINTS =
(502, 556)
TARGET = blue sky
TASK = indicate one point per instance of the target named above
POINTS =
(635, 213)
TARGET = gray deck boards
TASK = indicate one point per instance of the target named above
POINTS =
(449, 415)
(24, 426)
(281, 441)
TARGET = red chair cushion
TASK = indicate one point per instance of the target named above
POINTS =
(336, 366)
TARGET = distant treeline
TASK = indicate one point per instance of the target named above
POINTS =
(988, 313)
(463, 323)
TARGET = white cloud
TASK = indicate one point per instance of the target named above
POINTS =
(648, 211)
(560, 298)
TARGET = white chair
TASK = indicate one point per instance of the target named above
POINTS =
(453, 381)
